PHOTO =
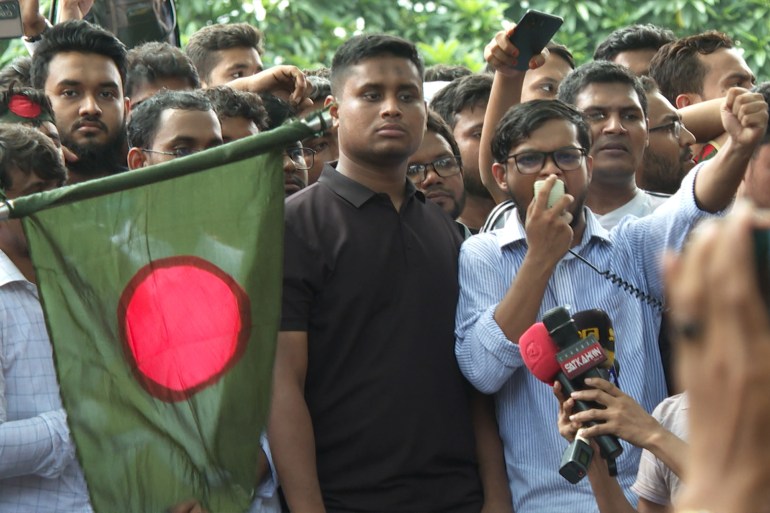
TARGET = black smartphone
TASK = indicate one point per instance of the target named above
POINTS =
(10, 19)
(533, 31)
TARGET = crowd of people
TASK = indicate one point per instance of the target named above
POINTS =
(425, 232)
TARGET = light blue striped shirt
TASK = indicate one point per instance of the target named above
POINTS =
(526, 408)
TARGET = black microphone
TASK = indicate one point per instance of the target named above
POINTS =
(579, 358)
(596, 322)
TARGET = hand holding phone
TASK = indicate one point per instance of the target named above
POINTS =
(532, 33)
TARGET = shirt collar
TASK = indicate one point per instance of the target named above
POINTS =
(355, 193)
(513, 231)
(9, 273)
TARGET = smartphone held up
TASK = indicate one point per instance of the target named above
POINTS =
(532, 33)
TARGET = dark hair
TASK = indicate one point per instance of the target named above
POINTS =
(278, 110)
(599, 72)
(649, 85)
(764, 90)
(563, 52)
(445, 72)
(145, 119)
(464, 92)
(521, 120)
(212, 38)
(633, 37)
(16, 72)
(438, 126)
(31, 151)
(321, 71)
(36, 96)
(229, 103)
(676, 67)
(367, 46)
(152, 61)
(322, 88)
(76, 36)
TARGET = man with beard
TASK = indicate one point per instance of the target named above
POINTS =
(510, 277)
(462, 105)
(669, 156)
(82, 69)
(436, 169)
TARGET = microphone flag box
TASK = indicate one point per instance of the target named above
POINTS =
(580, 357)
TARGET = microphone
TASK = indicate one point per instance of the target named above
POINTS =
(596, 322)
(579, 359)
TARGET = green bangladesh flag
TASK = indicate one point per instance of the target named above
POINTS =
(161, 291)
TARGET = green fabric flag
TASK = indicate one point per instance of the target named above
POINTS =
(162, 299)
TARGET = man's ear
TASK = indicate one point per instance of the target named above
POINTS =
(687, 99)
(136, 158)
(498, 171)
(331, 102)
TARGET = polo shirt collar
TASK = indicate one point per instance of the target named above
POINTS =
(355, 193)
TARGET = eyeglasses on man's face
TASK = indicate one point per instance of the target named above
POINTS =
(675, 127)
(531, 162)
(444, 167)
(300, 156)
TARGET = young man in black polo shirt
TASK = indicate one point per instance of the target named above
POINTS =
(370, 412)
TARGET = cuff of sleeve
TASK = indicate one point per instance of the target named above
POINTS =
(61, 444)
(495, 341)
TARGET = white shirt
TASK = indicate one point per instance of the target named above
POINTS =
(38, 468)
(642, 204)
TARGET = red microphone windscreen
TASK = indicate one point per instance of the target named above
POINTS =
(539, 353)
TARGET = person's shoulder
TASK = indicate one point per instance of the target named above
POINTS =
(670, 406)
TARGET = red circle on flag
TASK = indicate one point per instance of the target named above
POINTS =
(184, 323)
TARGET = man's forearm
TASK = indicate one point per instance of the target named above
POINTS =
(38, 445)
(293, 446)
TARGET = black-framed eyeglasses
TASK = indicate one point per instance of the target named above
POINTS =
(444, 167)
(531, 162)
(177, 153)
(675, 127)
(300, 156)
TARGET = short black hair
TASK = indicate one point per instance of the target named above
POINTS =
(467, 91)
(145, 119)
(16, 72)
(437, 125)
(367, 46)
(764, 90)
(76, 36)
(521, 120)
(445, 72)
(153, 61)
(633, 37)
(278, 110)
(229, 103)
(212, 38)
(676, 67)
(322, 88)
(599, 72)
(563, 52)
(31, 151)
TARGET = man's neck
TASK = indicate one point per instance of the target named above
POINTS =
(383, 179)
(603, 198)
(476, 211)
(20, 259)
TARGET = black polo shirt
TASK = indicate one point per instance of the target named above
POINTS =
(376, 291)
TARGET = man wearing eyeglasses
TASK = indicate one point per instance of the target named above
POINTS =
(669, 155)
(169, 125)
(552, 253)
(436, 168)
